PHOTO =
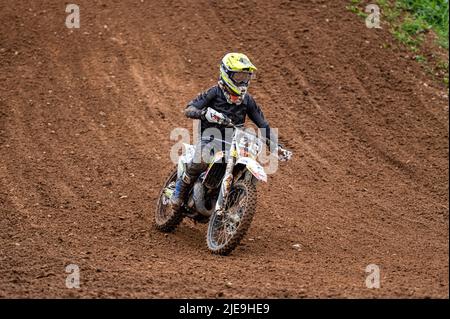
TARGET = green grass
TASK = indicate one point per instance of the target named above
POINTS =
(427, 14)
(354, 7)
(409, 21)
(420, 58)
(404, 26)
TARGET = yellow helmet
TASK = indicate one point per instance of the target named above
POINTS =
(236, 71)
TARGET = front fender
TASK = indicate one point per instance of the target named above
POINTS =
(254, 167)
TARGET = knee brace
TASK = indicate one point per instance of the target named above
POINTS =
(193, 170)
(186, 178)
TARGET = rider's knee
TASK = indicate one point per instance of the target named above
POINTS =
(193, 170)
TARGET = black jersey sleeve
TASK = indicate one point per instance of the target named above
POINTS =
(195, 107)
(255, 114)
(204, 99)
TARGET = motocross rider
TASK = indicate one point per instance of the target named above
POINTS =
(226, 102)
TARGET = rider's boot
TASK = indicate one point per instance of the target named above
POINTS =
(182, 187)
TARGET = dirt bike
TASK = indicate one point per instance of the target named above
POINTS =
(224, 195)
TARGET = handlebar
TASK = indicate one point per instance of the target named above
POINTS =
(286, 154)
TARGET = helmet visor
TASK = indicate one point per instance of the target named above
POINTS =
(241, 78)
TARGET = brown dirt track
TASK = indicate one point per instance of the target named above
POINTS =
(85, 118)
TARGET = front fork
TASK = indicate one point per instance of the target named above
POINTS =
(227, 181)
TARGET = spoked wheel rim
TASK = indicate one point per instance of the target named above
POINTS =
(225, 225)
(164, 211)
(166, 219)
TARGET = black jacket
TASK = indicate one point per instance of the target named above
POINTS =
(215, 99)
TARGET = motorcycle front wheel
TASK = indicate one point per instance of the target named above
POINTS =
(226, 229)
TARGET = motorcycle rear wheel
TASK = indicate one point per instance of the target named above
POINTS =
(167, 220)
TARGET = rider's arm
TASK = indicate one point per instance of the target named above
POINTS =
(194, 113)
(196, 108)
(255, 114)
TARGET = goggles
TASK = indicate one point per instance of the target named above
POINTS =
(241, 78)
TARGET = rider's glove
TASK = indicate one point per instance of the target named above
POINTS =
(213, 116)
(284, 154)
